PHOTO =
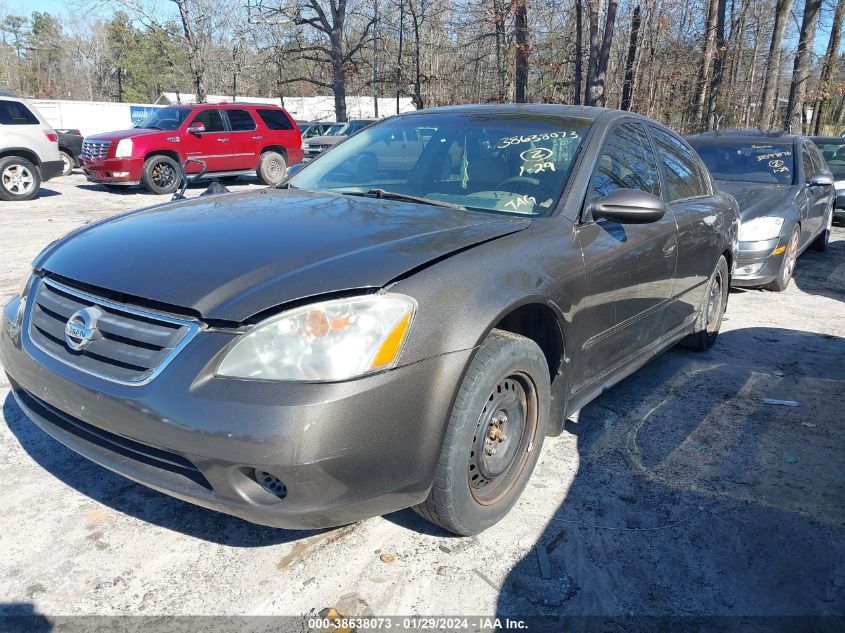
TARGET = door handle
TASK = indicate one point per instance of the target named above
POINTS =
(257, 138)
(669, 249)
(222, 140)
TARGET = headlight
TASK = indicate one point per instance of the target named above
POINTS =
(15, 308)
(124, 148)
(760, 229)
(328, 341)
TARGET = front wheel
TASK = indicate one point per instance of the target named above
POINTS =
(494, 436)
(713, 305)
(160, 174)
(272, 168)
(787, 263)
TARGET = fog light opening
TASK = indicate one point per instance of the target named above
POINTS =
(270, 483)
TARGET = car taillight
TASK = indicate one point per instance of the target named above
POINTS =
(52, 137)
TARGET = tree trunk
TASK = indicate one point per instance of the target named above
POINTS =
(194, 58)
(598, 88)
(399, 53)
(417, 21)
(521, 41)
(579, 50)
(375, 59)
(829, 68)
(704, 76)
(628, 84)
(772, 73)
(595, 52)
(793, 120)
(718, 66)
(338, 75)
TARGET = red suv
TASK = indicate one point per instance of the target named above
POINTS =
(230, 138)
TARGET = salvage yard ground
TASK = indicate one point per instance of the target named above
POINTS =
(679, 492)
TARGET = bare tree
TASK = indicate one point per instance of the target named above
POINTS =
(829, 66)
(521, 52)
(628, 82)
(773, 64)
(709, 49)
(793, 119)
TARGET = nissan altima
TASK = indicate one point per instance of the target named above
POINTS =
(785, 194)
(356, 341)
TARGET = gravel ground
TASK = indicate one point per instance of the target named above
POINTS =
(679, 492)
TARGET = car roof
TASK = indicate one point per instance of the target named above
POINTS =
(225, 104)
(740, 135)
(585, 112)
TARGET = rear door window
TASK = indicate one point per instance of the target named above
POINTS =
(16, 113)
(275, 119)
(240, 120)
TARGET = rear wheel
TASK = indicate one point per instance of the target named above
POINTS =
(787, 263)
(494, 436)
(272, 168)
(19, 179)
(821, 242)
(160, 174)
(67, 163)
(712, 309)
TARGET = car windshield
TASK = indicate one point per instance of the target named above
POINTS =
(335, 129)
(165, 119)
(834, 155)
(747, 161)
(507, 163)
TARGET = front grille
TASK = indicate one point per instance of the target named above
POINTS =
(314, 150)
(133, 449)
(128, 345)
(95, 149)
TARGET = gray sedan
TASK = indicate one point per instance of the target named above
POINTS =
(356, 341)
(785, 194)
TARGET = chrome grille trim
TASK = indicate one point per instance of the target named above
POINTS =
(95, 149)
(121, 342)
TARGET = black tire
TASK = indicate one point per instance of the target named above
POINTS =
(19, 179)
(161, 174)
(823, 238)
(713, 305)
(473, 489)
(787, 263)
(67, 162)
(272, 168)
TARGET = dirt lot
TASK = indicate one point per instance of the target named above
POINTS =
(678, 492)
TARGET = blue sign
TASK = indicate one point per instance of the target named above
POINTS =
(140, 113)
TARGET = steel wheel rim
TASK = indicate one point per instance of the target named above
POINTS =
(274, 169)
(503, 438)
(17, 179)
(67, 167)
(715, 304)
(791, 256)
(163, 174)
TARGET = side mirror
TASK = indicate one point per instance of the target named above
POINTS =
(820, 179)
(629, 206)
(196, 128)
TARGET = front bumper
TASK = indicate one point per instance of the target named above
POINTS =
(755, 264)
(344, 451)
(119, 171)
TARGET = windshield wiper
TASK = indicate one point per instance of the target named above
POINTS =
(393, 195)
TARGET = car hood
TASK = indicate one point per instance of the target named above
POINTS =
(327, 140)
(232, 256)
(121, 134)
(761, 199)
